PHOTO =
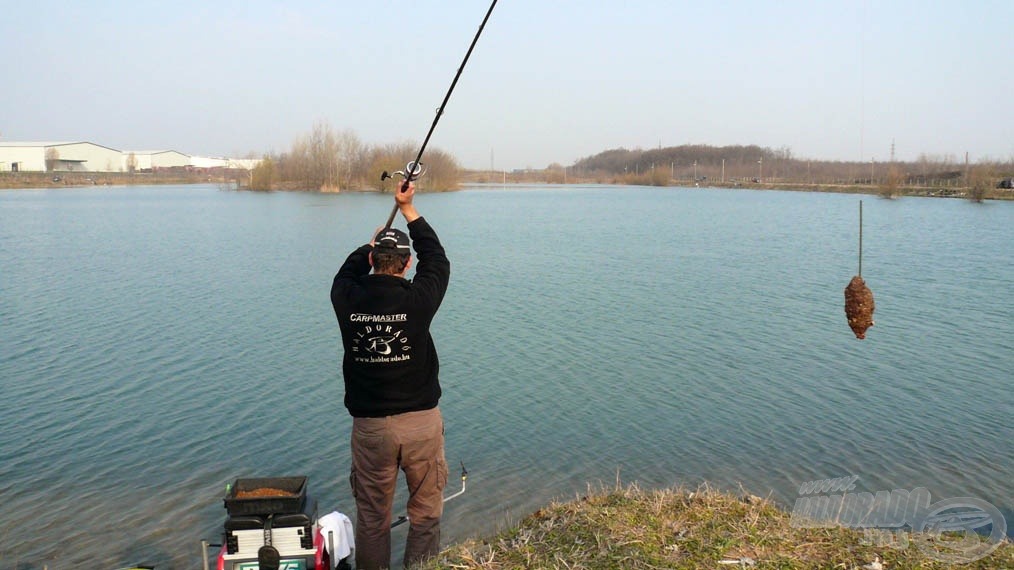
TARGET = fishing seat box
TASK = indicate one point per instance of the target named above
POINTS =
(293, 523)
(294, 489)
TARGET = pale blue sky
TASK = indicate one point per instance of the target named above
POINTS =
(548, 81)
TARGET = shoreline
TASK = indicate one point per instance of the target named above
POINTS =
(675, 528)
(50, 181)
(900, 192)
(59, 180)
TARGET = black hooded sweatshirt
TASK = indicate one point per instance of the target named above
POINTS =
(390, 364)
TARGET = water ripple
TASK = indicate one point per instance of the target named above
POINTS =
(581, 342)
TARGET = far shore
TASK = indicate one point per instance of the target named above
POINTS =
(52, 180)
(915, 191)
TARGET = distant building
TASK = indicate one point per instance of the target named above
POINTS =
(58, 157)
(208, 162)
(227, 163)
(244, 163)
(90, 157)
(146, 160)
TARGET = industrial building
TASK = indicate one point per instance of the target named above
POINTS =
(145, 160)
(58, 157)
(208, 162)
(90, 157)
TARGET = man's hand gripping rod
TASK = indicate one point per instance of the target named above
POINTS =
(414, 170)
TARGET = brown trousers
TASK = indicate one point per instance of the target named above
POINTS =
(414, 442)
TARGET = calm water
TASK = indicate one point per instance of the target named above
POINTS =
(158, 342)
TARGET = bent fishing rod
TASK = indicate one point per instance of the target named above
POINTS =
(415, 168)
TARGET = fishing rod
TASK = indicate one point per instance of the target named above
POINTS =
(414, 169)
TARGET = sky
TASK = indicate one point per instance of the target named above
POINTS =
(548, 82)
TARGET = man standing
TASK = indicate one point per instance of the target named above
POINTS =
(391, 384)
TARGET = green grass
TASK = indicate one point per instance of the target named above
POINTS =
(629, 527)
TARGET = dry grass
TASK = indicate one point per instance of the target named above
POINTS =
(675, 528)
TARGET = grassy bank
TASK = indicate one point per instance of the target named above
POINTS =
(633, 528)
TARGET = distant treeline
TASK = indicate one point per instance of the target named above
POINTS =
(329, 161)
(753, 163)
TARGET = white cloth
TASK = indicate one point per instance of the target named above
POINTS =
(344, 537)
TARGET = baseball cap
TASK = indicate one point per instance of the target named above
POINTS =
(393, 239)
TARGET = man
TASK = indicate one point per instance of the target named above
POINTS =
(391, 385)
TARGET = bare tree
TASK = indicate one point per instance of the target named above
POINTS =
(262, 176)
(981, 179)
(442, 170)
(391, 157)
(324, 160)
(556, 173)
(351, 159)
(52, 158)
(891, 183)
(330, 161)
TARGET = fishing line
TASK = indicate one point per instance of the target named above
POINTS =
(414, 169)
(859, 304)
(860, 274)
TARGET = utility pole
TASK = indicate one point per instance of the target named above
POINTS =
(723, 171)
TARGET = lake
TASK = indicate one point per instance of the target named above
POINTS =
(159, 342)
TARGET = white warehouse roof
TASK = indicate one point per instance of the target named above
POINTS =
(36, 156)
